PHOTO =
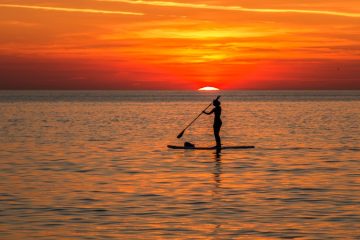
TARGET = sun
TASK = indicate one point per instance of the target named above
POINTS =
(208, 89)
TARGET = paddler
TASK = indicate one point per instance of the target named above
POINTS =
(217, 121)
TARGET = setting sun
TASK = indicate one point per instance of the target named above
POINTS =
(208, 89)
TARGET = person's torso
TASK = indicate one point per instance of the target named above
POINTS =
(217, 112)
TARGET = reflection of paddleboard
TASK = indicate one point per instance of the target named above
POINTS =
(209, 148)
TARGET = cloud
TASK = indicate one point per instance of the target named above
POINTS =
(49, 73)
(62, 9)
(204, 34)
(18, 23)
(235, 8)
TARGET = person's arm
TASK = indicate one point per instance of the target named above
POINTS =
(208, 113)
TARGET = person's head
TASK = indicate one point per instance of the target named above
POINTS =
(216, 103)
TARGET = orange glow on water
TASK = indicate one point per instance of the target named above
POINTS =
(111, 171)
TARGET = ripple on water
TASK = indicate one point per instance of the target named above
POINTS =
(101, 170)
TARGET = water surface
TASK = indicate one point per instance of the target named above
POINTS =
(94, 165)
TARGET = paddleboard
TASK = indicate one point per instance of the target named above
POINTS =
(209, 148)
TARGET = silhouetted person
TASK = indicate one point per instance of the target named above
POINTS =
(217, 121)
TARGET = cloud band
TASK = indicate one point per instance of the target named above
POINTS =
(62, 9)
(235, 8)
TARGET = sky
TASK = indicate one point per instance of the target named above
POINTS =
(180, 44)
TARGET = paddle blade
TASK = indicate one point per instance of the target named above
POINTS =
(181, 134)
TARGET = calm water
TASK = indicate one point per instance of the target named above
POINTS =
(94, 165)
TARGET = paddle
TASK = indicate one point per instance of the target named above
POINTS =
(183, 131)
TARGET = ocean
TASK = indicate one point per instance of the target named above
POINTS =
(95, 165)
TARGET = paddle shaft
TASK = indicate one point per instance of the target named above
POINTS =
(181, 134)
(197, 117)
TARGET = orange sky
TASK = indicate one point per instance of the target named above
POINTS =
(134, 44)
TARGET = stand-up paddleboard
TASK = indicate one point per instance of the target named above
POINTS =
(209, 148)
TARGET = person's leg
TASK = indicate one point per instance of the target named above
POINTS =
(217, 135)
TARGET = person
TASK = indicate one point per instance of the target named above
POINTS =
(217, 121)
